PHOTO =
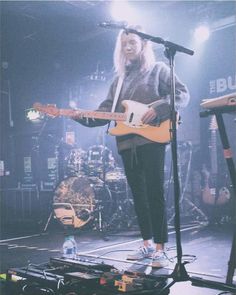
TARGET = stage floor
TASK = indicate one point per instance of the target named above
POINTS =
(210, 244)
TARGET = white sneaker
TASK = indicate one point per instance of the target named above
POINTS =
(159, 259)
(142, 253)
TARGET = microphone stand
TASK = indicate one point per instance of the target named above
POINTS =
(179, 273)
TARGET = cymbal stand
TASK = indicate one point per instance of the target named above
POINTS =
(100, 206)
(184, 199)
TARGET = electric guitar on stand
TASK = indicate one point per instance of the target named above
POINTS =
(212, 193)
(128, 122)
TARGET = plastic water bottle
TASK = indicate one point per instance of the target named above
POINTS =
(69, 248)
(74, 246)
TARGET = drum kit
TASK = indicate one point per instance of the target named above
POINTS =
(94, 191)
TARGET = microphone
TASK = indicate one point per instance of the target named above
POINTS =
(114, 25)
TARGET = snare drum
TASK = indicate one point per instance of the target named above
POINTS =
(115, 175)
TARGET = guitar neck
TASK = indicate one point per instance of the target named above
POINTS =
(93, 115)
(214, 166)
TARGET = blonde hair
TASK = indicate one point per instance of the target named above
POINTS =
(147, 56)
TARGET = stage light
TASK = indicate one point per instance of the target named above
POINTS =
(33, 115)
(201, 34)
(73, 104)
(122, 11)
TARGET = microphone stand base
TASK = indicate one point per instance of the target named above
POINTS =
(180, 274)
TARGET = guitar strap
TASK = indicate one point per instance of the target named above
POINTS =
(118, 89)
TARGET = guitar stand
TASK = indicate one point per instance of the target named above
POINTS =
(180, 274)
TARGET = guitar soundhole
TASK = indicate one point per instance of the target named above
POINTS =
(131, 117)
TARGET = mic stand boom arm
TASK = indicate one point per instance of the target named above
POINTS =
(173, 46)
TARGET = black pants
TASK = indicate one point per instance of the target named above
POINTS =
(144, 170)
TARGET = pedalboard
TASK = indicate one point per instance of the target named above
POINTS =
(79, 277)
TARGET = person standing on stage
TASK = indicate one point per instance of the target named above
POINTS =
(148, 82)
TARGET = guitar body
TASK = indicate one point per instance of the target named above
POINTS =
(159, 134)
(133, 125)
(208, 192)
(211, 197)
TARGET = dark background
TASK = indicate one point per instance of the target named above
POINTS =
(51, 52)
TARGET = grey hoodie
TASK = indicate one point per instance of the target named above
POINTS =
(145, 87)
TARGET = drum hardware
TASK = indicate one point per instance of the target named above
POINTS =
(124, 216)
(96, 192)
(76, 162)
(185, 161)
(99, 161)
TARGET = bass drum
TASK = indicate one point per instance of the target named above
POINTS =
(87, 195)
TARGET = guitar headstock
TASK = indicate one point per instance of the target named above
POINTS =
(49, 109)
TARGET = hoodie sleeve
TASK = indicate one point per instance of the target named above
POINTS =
(162, 106)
